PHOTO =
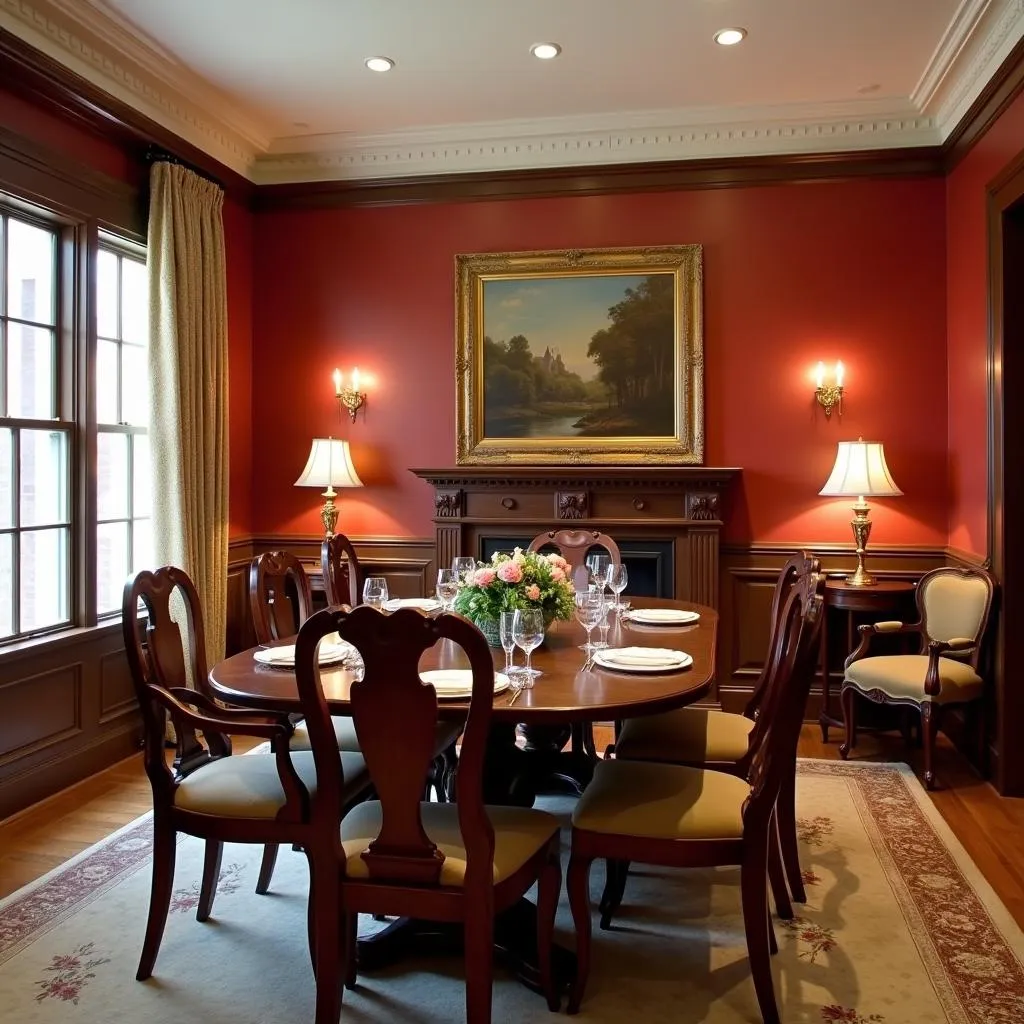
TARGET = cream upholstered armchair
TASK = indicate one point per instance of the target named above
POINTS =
(954, 607)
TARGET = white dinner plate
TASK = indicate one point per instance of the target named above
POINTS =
(457, 683)
(642, 659)
(284, 656)
(425, 604)
(662, 616)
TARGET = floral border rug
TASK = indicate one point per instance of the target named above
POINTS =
(899, 928)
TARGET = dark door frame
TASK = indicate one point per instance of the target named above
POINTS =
(1005, 477)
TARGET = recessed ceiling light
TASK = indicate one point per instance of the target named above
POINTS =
(730, 36)
(545, 51)
(379, 63)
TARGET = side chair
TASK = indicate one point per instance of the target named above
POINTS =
(342, 574)
(209, 793)
(677, 816)
(704, 738)
(954, 606)
(398, 855)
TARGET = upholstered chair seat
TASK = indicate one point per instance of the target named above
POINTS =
(691, 735)
(662, 801)
(519, 834)
(250, 787)
(903, 675)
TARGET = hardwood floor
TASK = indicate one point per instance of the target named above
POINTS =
(989, 826)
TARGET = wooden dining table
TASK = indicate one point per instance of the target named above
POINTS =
(569, 691)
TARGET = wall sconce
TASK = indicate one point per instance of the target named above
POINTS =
(830, 396)
(351, 397)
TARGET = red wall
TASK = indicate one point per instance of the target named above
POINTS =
(967, 326)
(102, 155)
(793, 274)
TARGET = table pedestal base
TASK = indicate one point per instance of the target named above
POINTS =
(515, 944)
(514, 775)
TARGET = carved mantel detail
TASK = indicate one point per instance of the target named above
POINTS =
(447, 504)
(571, 504)
(702, 506)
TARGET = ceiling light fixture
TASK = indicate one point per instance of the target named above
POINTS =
(379, 63)
(545, 51)
(730, 36)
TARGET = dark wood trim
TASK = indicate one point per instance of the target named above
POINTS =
(39, 78)
(1005, 212)
(1000, 91)
(607, 179)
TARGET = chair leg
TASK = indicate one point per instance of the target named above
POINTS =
(211, 876)
(326, 943)
(930, 712)
(757, 924)
(785, 818)
(777, 877)
(351, 938)
(616, 873)
(549, 885)
(479, 960)
(267, 868)
(165, 844)
(577, 884)
(848, 700)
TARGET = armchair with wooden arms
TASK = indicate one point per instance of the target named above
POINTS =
(954, 605)
(399, 855)
(208, 792)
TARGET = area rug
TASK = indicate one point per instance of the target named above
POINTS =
(899, 927)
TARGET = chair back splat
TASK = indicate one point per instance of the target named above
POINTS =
(156, 655)
(391, 647)
(575, 545)
(339, 564)
(790, 672)
(954, 604)
(279, 595)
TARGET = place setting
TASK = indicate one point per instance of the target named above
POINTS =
(641, 659)
(660, 617)
(330, 652)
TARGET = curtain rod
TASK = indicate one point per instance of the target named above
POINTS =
(154, 154)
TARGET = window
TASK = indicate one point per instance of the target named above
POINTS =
(61, 564)
(122, 448)
(35, 466)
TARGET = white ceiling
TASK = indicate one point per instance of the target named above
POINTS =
(277, 89)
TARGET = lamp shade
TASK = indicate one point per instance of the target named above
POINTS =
(329, 465)
(860, 471)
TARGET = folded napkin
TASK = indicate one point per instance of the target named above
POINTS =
(425, 604)
(645, 657)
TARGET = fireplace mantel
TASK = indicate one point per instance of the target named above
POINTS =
(683, 505)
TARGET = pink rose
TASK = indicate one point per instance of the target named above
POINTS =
(558, 561)
(556, 574)
(510, 572)
(533, 592)
(484, 577)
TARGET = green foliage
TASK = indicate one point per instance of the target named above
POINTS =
(515, 378)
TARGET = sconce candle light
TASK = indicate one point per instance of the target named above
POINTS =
(830, 396)
(350, 397)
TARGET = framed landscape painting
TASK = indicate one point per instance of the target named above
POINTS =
(585, 356)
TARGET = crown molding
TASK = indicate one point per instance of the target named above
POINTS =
(94, 42)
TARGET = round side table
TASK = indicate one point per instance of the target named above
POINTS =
(892, 599)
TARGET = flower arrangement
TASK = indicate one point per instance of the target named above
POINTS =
(523, 579)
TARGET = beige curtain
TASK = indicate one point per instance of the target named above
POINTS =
(189, 386)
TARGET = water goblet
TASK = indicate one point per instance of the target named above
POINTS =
(463, 565)
(447, 588)
(528, 633)
(588, 613)
(617, 580)
(375, 591)
(506, 628)
(599, 566)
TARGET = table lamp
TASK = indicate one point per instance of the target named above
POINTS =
(329, 465)
(860, 472)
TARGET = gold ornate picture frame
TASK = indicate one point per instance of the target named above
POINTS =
(582, 356)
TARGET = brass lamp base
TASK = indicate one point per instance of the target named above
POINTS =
(329, 513)
(861, 531)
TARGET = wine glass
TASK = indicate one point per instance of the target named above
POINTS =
(617, 580)
(447, 588)
(463, 565)
(588, 613)
(375, 591)
(599, 566)
(506, 633)
(528, 633)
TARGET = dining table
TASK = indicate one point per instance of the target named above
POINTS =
(528, 731)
